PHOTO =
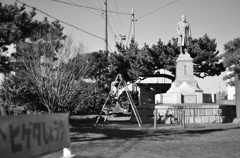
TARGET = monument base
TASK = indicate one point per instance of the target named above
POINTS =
(198, 113)
(194, 113)
(185, 93)
(185, 88)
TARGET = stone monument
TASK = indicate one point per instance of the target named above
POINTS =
(185, 88)
(185, 101)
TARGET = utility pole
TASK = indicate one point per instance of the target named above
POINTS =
(106, 26)
(133, 37)
(133, 25)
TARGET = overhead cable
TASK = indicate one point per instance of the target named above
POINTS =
(156, 9)
(111, 30)
(135, 31)
(90, 3)
(85, 9)
(86, 5)
(113, 20)
(100, 4)
(129, 32)
(60, 20)
(73, 4)
(119, 16)
(89, 7)
(110, 48)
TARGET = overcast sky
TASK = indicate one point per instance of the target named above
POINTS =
(217, 18)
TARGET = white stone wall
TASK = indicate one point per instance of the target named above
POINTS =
(199, 113)
(231, 93)
(230, 89)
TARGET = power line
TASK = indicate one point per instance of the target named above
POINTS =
(135, 31)
(119, 16)
(113, 20)
(73, 4)
(100, 4)
(91, 4)
(85, 9)
(156, 9)
(76, 26)
(110, 48)
(108, 15)
(146, 37)
(129, 31)
(86, 4)
(83, 3)
(60, 20)
(111, 30)
(89, 7)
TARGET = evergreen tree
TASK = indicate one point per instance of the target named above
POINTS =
(206, 58)
(18, 25)
(146, 61)
(231, 59)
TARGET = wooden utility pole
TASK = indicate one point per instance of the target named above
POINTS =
(133, 25)
(133, 38)
(106, 26)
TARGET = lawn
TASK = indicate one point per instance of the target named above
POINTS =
(123, 139)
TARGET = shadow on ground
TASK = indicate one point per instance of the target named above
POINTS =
(87, 131)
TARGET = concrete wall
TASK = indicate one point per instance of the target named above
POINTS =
(204, 113)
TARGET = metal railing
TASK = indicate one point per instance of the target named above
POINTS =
(179, 116)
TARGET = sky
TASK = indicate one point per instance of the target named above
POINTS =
(156, 19)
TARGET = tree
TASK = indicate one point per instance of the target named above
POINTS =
(146, 61)
(164, 56)
(133, 62)
(231, 59)
(126, 61)
(221, 95)
(206, 58)
(50, 83)
(18, 25)
(98, 69)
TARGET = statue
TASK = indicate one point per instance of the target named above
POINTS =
(184, 32)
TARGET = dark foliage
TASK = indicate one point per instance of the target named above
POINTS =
(18, 25)
(231, 59)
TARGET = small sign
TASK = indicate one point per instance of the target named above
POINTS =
(28, 136)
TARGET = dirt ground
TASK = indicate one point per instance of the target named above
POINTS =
(123, 139)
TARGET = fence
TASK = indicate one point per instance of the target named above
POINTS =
(179, 117)
(198, 113)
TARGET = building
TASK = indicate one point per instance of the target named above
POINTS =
(230, 89)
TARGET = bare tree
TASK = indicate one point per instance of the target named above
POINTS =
(52, 76)
(221, 95)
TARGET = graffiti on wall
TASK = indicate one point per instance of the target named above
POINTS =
(29, 135)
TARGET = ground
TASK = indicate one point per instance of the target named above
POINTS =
(124, 139)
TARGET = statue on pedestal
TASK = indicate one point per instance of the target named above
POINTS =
(184, 32)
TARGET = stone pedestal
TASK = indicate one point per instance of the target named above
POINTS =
(185, 88)
(184, 72)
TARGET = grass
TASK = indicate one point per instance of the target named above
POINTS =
(123, 139)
